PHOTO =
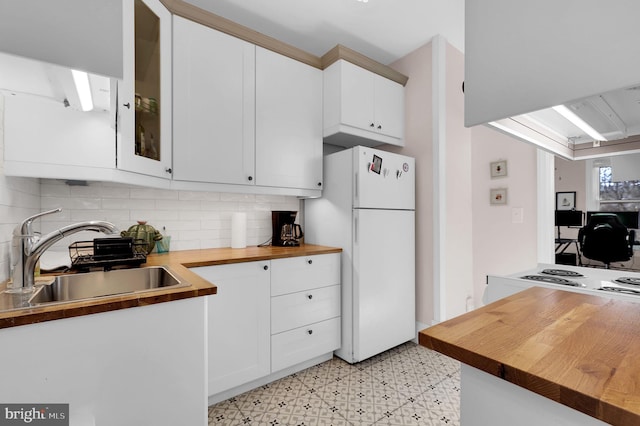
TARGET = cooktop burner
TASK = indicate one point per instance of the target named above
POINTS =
(552, 280)
(562, 273)
(620, 290)
(628, 280)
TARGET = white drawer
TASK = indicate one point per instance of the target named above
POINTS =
(303, 273)
(304, 343)
(304, 307)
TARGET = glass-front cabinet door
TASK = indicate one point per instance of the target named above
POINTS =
(144, 95)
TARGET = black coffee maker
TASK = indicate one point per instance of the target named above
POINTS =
(286, 233)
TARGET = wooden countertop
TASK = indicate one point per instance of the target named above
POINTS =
(14, 313)
(579, 350)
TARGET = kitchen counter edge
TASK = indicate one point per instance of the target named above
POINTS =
(178, 262)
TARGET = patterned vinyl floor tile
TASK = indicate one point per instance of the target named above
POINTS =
(407, 385)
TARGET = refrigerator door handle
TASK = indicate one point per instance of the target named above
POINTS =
(355, 230)
(356, 183)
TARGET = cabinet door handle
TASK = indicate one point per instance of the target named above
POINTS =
(168, 170)
(379, 126)
(250, 178)
(265, 267)
(372, 125)
(319, 183)
(310, 296)
(128, 105)
(309, 261)
(310, 331)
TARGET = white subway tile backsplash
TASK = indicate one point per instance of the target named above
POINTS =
(153, 194)
(182, 225)
(54, 189)
(25, 185)
(210, 234)
(193, 219)
(211, 224)
(4, 269)
(177, 205)
(195, 195)
(188, 245)
(115, 192)
(193, 214)
(246, 198)
(127, 204)
(70, 203)
(266, 207)
(12, 215)
(230, 206)
(154, 216)
(108, 215)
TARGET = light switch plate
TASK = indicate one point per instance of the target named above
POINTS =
(517, 215)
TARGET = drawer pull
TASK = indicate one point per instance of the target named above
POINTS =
(309, 261)
(310, 296)
(265, 267)
(310, 331)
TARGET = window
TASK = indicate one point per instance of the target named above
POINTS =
(605, 175)
(618, 196)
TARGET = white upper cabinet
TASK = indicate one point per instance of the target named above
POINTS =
(361, 107)
(288, 122)
(213, 105)
(144, 97)
(244, 115)
(388, 107)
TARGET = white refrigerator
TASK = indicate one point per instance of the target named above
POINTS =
(368, 209)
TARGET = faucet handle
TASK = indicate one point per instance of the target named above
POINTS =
(25, 226)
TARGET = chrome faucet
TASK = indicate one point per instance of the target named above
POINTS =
(26, 247)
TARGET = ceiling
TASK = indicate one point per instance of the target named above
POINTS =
(383, 30)
(615, 115)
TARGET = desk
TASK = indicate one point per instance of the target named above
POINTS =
(564, 243)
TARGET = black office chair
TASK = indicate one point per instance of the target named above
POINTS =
(606, 239)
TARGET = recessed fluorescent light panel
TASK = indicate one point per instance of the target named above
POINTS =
(81, 80)
(580, 123)
(513, 132)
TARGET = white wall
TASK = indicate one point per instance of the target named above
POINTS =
(454, 250)
(625, 167)
(501, 246)
(418, 144)
(571, 176)
(19, 198)
(459, 289)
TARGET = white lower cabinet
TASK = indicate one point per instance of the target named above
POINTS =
(270, 316)
(305, 308)
(139, 366)
(238, 324)
(297, 345)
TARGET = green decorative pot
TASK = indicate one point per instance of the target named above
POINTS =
(147, 233)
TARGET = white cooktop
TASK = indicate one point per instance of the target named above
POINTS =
(583, 280)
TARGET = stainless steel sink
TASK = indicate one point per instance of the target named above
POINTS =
(66, 288)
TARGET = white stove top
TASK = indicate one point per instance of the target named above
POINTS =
(601, 282)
